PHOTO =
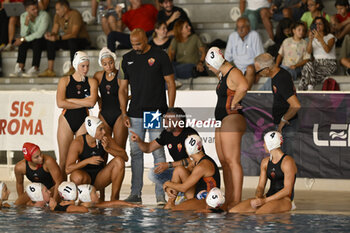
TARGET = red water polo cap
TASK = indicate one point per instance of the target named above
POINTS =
(28, 150)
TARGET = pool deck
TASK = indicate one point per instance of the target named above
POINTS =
(307, 201)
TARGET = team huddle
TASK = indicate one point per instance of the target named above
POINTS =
(191, 182)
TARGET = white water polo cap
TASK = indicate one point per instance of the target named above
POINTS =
(34, 191)
(91, 124)
(193, 144)
(215, 58)
(2, 185)
(68, 191)
(215, 198)
(84, 192)
(273, 140)
(104, 53)
(79, 57)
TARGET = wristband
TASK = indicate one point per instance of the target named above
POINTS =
(170, 165)
(284, 120)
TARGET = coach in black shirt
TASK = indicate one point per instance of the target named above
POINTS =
(285, 102)
(170, 14)
(146, 69)
(173, 137)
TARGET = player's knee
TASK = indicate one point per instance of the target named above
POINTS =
(76, 178)
(118, 163)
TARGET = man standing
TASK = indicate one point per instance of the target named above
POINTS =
(285, 102)
(170, 14)
(34, 23)
(146, 69)
(242, 47)
(74, 37)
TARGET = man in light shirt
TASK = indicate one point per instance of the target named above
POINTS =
(34, 24)
(242, 47)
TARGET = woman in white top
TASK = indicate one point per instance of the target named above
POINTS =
(322, 45)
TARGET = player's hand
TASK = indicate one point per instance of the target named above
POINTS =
(126, 120)
(161, 167)
(95, 160)
(52, 203)
(134, 137)
(257, 202)
(105, 143)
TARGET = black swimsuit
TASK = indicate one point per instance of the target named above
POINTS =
(88, 152)
(225, 97)
(207, 183)
(276, 176)
(76, 90)
(40, 176)
(110, 109)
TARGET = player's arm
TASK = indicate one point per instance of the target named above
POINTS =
(259, 192)
(55, 173)
(197, 173)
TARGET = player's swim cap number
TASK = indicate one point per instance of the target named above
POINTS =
(272, 135)
(212, 55)
(89, 122)
(32, 189)
(192, 142)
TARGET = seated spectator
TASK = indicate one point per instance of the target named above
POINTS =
(109, 19)
(293, 52)
(74, 37)
(139, 16)
(257, 11)
(160, 38)
(171, 14)
(4, 20)
(346, 63)
(283, 31)
(242, 47)
(292, 9)
(14, 21)
(315, 10)
(322, 45)
(34, 24)
(187, 52)
(341, 21)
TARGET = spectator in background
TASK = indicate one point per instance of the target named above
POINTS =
(4, 21)
(293, 53)
(160, 36)
(257, 11)
(13, 21)
(341, 21)
(34, 24)
(187, 52)
(283, 31)
(346, 63)
(242, 47)
(138, 16)
(109, 19)
(171, 14)
(292, 9)
(315, 10)
(322, 45)
(74, 37)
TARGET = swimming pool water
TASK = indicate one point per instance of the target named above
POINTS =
(159, 220)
